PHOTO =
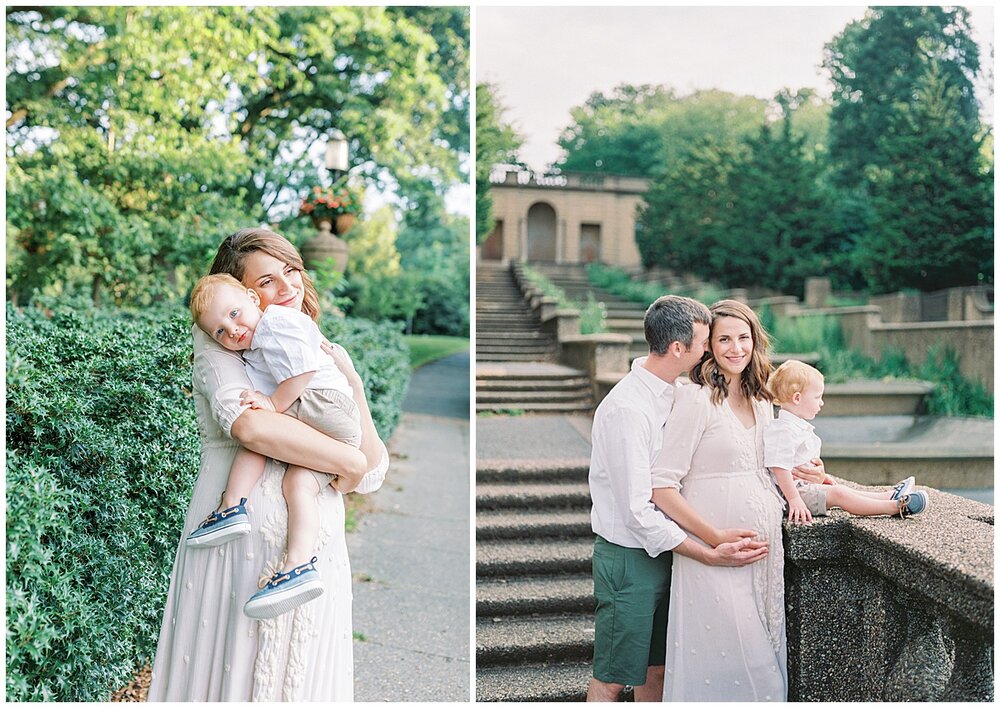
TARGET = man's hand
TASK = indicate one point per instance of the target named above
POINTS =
(798, 512)
(733, 555)
(814, 473)
(732, 536)
(257, 400)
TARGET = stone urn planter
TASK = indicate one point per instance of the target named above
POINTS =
(344, 223)
(326, 244)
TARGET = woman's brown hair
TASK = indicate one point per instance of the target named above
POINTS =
(753, 380)
(232, 254)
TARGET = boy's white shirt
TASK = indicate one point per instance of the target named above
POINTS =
(286, 343)
(790, 441)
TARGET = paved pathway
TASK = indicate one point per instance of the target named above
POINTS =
(410, 554)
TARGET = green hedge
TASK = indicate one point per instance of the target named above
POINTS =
(102, 453)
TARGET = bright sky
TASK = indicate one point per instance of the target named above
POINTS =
(547, 60)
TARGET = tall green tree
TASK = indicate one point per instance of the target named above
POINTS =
(682, 224)
(876, 64)
(640, 130)
(906, 143)
(934, 204)
(496, 143)
(177, 124)
(781, 229)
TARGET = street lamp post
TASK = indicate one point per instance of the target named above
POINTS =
(326, 244)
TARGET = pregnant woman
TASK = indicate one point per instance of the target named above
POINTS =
(726, 626)
(208, 649)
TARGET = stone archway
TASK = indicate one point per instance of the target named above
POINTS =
(541, 233)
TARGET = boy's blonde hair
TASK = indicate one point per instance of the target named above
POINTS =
(790, 378)
(204, 291)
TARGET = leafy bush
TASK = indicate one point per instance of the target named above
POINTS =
(953, 394)
(618, 282)
(102, 454)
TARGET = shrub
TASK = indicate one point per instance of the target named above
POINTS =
(102, 454)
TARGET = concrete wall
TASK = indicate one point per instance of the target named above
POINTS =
(864, 329)
(883, 609)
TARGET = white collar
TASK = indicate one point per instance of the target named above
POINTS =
(794, 420)
(653, 382)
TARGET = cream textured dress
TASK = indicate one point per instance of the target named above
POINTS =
(725, 626)
(208, 649)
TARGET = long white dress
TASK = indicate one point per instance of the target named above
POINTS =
(208, 649)
(725, 626)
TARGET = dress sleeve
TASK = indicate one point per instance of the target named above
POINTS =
(220, 376)
(374, 477)
(681, 435)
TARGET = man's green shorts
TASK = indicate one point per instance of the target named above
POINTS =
(632, 592)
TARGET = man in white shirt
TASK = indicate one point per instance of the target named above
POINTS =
(634, 539)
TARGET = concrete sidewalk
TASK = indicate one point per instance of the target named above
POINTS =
(410, 554)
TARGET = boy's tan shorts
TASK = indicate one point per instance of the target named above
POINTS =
(332, 413)
(814, 497)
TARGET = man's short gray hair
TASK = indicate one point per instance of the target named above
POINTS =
(671, 319)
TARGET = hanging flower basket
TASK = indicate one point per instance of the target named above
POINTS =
(330, 204)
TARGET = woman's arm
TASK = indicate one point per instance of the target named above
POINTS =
(288, 439)
(371, 445)
(670, 502)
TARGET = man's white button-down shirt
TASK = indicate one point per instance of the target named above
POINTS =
(627, 436)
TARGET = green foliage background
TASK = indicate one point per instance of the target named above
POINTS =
(102, 454)
(138, 137)
(887, 186)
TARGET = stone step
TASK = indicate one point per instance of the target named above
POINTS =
(531, 407)
(534, 495)
(544, 372)
(523, 684)
(517, 640)
(502, 523)
(577, 395)
(518, 471)
(527, 596)
(512, 357)
(506, 558)
(518, 384)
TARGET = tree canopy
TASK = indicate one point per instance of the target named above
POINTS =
(496, 143)
(137, 137)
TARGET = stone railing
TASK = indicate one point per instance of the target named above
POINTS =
(599, 355)
(882, 609)
(864, 329)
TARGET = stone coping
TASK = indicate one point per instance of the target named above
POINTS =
(599, 338)
(874, 387)
(944, 555)
(911, 326)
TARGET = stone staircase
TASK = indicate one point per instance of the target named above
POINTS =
(534, 592)
(516, 367)
(623, 316)
(506, 328)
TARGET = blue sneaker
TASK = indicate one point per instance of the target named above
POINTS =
(903, 487)
(222, 526)
(285, 591)
(913, 503)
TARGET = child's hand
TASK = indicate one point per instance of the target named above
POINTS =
(341, 358)
(798, 512)
(257, 400)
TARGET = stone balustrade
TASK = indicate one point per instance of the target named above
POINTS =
(882, 609)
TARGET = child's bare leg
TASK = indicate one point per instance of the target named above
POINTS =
(873, 494)
(859, 504)
(299, 487)
(247, 468)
